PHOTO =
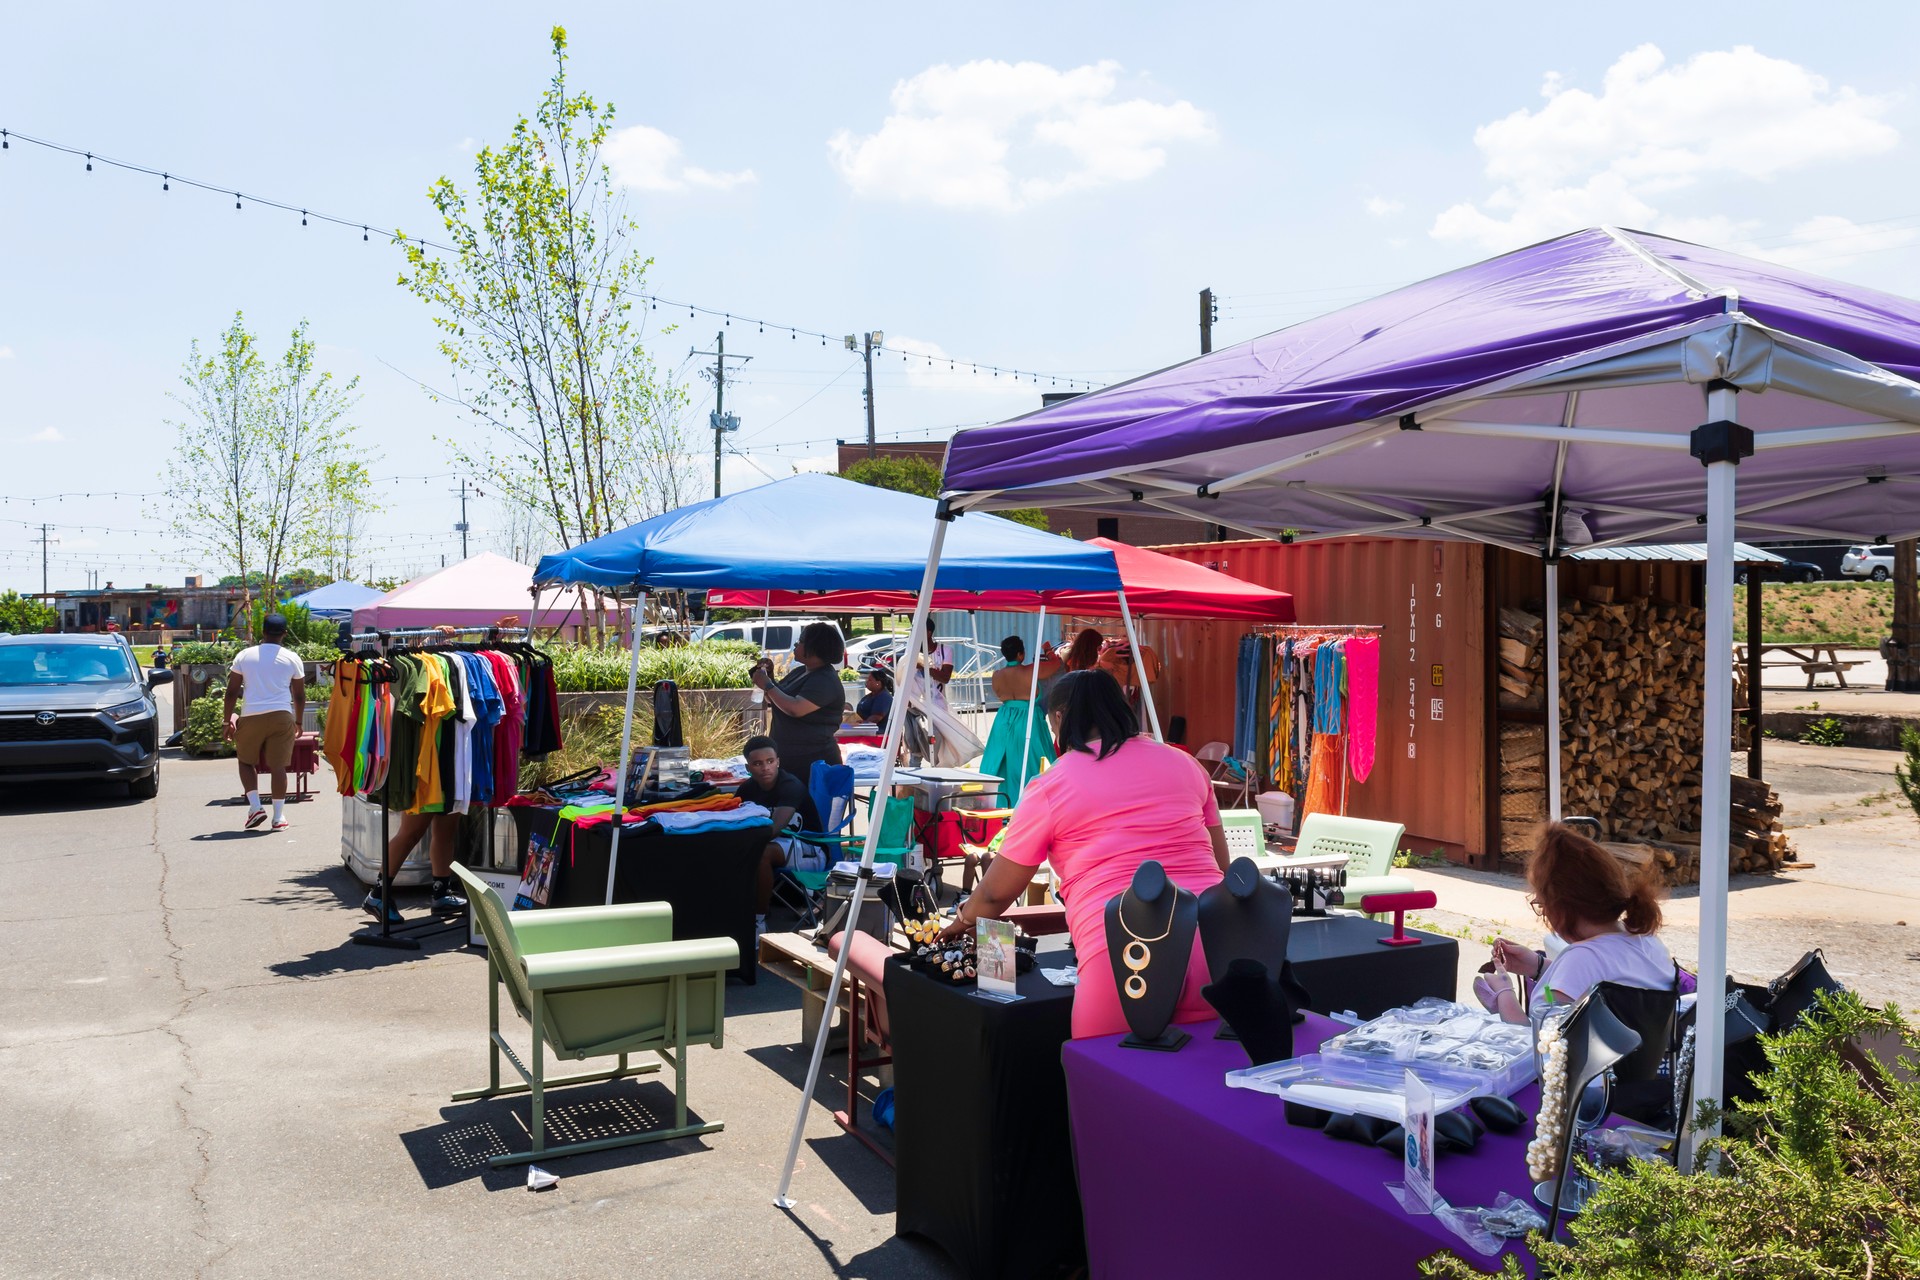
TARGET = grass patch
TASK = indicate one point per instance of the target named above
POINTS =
(1854, 614)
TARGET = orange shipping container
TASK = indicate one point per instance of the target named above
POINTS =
(1428, 599)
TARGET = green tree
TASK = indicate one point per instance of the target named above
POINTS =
(921, 476)
(537, 316)
(1907, 774)
(259, 456)
(22, 615)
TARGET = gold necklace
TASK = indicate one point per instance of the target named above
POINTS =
(1136, 954)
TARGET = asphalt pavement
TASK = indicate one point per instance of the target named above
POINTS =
(206, 1078)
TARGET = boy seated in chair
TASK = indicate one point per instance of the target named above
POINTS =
(788, 798)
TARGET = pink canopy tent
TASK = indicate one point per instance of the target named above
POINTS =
(1156, 585)
(477, 592)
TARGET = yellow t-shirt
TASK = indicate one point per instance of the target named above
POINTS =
(429, 788)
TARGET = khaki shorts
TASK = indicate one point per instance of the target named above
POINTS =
(265, 740)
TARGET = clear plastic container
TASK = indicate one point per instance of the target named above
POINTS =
(1446, 1035)
(1358, 1086)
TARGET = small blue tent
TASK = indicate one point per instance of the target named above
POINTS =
(336, 600)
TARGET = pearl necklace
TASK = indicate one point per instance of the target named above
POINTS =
(1137, 954)
(1543, 1153)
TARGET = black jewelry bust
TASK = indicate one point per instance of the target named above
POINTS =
(1249, 917)
(1150, 932)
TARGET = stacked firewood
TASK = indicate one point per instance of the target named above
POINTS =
(1631, 677)
(1522, 638)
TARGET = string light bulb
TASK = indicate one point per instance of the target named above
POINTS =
(89, 162)
(165, 183)
(4, 145)
(236, 199)
(363, 233)
(303, 217)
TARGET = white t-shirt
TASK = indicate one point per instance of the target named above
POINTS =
(1634, 960)
(920, 684)
(267, 673)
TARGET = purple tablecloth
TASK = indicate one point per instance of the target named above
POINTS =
(1180, 1175)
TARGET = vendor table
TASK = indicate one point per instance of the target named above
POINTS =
(709, 878)
(1181, 1175)
(983, 1166)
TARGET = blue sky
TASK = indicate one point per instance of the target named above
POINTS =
(1037, 186)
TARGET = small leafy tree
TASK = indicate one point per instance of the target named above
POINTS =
(1907, 773)
(921, 476)
(538, 318)
(263, 448)
(21, 615)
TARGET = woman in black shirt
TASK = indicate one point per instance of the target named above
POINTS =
(808, 702)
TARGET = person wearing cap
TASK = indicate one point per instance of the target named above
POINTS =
(270, 681)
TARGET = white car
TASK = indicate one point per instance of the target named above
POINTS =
(1874, 562)
(775, 636)
(866, 650)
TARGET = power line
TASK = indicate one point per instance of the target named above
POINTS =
(364, 227)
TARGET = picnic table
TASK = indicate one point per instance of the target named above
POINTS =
(1813, 659)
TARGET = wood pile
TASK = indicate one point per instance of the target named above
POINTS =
(1523, 656)
(1631, 675)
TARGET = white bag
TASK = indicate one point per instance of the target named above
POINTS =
(954, 744)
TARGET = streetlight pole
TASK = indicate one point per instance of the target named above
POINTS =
(864, 343)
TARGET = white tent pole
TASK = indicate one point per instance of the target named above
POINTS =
(1716, 750)
(1553, 689)
(1033, 696)
(973, 634)
(1140, 666)
(626, 748)
(882, 796)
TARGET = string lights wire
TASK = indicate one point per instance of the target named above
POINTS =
(654, 302)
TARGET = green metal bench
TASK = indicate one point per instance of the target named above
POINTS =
(592, 982)
(1368, 845)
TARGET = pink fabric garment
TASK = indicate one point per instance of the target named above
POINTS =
(506, 734)
(1096, 821)
(1363, 703)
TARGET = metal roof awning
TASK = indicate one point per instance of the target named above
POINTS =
(1696, 552)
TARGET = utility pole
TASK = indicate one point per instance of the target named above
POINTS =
(1209, 312)
(864, 343)
(719, 419)
(463, 526)
(43, 540)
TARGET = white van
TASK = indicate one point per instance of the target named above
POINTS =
(776, 636)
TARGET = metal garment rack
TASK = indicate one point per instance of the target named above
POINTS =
(406, 935)
(1341, 631)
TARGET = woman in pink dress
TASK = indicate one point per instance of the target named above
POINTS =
(1113, 801)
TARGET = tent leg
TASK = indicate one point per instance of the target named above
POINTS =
(1553, 688)
(882, 792)
(1140, 665)
(1720, 446)
(626, 749)
(1033, 702)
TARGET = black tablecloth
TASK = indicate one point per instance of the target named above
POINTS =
(708, 878)
(983, 1154)
(983, 1162)
(1340, 961)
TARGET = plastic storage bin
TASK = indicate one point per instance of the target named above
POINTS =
(1357, 1086)
(1276, 809)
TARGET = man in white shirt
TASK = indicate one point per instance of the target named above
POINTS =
(271, 679)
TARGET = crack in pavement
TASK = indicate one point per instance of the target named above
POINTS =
(201, 1135)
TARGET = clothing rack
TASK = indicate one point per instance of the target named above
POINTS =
(1315, 634)
(406, 935)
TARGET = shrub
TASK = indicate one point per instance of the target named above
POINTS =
(1825, 732)
(710, 665)
(205, 734)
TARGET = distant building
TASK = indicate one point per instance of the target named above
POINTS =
(148, 608)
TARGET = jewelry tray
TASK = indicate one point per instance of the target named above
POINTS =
(1358, 1086)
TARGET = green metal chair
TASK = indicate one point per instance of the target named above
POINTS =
(896, 837)
(1368, 845)
(594, 981)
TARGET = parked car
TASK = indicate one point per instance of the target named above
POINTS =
(775, 636)
(75, 706)
(1788, 571)
(1874, 562)
(867, 650)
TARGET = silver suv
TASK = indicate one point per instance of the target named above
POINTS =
(75, 707)
(1874, 562)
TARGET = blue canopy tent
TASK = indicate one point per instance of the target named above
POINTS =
(336, 600)
(823, 533)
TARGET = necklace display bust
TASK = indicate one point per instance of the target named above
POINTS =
(1150, 930)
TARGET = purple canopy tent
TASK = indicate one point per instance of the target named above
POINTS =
(1561, 397)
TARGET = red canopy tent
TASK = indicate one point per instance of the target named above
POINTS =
(1156, 585)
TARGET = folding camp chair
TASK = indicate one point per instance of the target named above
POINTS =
(896, 831)
(1230, 777)
(831, 787)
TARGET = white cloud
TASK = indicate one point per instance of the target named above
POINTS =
(6, 353)
(1655, 130)
(1834, 241)
(646, 159)
(47, 435)
(1000, 136)
(467, 146)
(1381, 207)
